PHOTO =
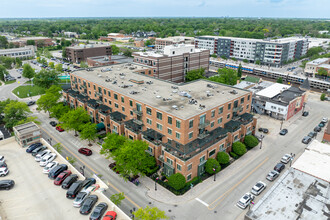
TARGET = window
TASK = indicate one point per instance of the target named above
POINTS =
(169, 120)
(116, 96)
(191, 134)
(159, 116)
(131, 103)
(116, 105)
(149, 111)
(123, 109)
(110, 102)
(178, 124)
(189, 166)
(189, 177)
(178, 167)
(219, 120)
(150, 149)
(247, 107)
(229, 106)
(122, 99)
(109, 94)
(104, 91)
(213, 113)
(212, 152)
(222, 147)
(248, 97)
(100, 90)
(105, 100)
(94, 87)
(202, 159)
(169, 161)
(191, 123)
(159, 126)
(131, 112)
(177, 135)
(228, 116)
(90, 92)
(89, 85)
(212, 124)
(220, 110)
(242, 100)
(149, 121)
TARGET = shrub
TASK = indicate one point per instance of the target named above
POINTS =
(222, 157)
(322, 97)
(233, 155)
(239, 148)
(177, 181)
(210, 164)
(251, 141)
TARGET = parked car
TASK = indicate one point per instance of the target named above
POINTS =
(3, 164)
(279, 167)
(81, 196)
(305, 114)
(88, 204)
(306, 140)
(272, 175)
(53, 123)
(4, 171)
(57, 170)
(49, 167)
(98, 211)
(264, 130)
(312, 134)
(324, 120)
(32, 147)
(47, 159)
(41, 154)
(85, 151)
(322, 124)
(2, 159)
(286, 158)
(61, 177)
(59, 128)
(88, 182)
(258, 188)
(29, 103)
(245, 200)
(110, 215)
(38, 150)
(6, 184)
(74, 189)
(69, 180)
(284, 131)
(317, 129)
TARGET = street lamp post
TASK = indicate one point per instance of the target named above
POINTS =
(82, 169)
(261, 137)
(215, 174)
(282, 120)
(156, 183)
(303, 108)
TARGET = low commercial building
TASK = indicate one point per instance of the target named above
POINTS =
(183, 124)
(71, 34)
(38, 41)
(21, 52)
(174, 62)
(27, 134)
(313, 66)
(160, 43)
(139, 43)
(77, 54)
(326, 135)
(302, 192)
(99, 61)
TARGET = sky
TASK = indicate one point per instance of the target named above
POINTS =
(165, 8)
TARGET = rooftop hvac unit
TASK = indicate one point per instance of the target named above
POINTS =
(175, 107)
(158, 97)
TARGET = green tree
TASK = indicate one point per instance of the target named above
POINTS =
(7, 62)
(51, 65)
(46, 78)
(117, 198)
(195, 74)
(322, 72)
(239, 148)
(127, 53)
(213, 55)
(83, 65)
(177, 181)
(88, 132)
(115, 50)
(18, 62)
(58, 110)
(314, 51)
(3, 42)
(71, 160)
(28, 71)
(245, 61)
(258, 62)
(59, 67)
(30, 42)
(49, 99)
(3, 105)
(58, 147)
(15, 112)
(222, 157)
(3, 71)
(149, 213)
(74, 119)
(279, 80)
(28, 119)
(225, 76)
(322, 97)
(239, 71)
(212, 164)
(251, 141)
(111, 144)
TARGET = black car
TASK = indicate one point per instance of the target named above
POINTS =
(56, 171)
(306, 140)
(29, 103)
(53, 123)
(305, 114)
(32, 147)
(88, 204)
(88, 182)
(3, 164)
(317, 129)
(279, 167)
(69, 181)
(6, 184)
(37, 150)
(284, 131)
(99, 211)
(264, 130)
(312, 134)
(74, 189)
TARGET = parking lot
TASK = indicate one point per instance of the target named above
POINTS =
(34, 195)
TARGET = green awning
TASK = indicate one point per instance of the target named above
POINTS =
(100, 126)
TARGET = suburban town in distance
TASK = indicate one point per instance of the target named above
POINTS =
(150, 110)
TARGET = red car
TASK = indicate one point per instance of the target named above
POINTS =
(58, 127)
(85, 151)
(110, 215)
(61, 177)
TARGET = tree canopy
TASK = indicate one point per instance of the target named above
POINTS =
(49, 99)
(239, 148)
(212, 164)
(28, 71)
(46, 78)
(225, 76)
(177, 181)
(15, 113)
(149, 213)
(88, 132)
(195, 74)
(74, 119)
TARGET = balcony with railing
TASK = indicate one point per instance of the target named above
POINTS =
(99, 94)
(153, 136)
(203, 124)
(117, 117)
(137, 111)
(133, 126)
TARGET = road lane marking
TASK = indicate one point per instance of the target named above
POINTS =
(223, 196)
(201, 201)
(129, 199)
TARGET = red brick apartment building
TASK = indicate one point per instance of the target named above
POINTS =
(174, 62)
(184, 124)
(78, 54)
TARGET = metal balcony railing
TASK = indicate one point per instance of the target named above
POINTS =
(203, 124)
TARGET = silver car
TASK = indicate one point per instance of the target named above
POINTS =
(41, 155)
(81, 196)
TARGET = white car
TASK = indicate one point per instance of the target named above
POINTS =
(41, 155)
(258, 188)
(4, 171)
(286, 158)
(49, 167)
(245, 200)
(2, 159)
(47, 159)
(324, 120)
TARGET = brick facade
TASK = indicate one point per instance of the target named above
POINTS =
(79, 54)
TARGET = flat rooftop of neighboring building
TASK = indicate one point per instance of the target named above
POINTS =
(325, 66)
(179, 49)
(281, 40)
(166, 96)
(26, 128)
(318, 61)
(18, 49)
(273, 90)
(82, 46)
(34, 38)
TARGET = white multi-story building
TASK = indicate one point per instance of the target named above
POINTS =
(21, 52)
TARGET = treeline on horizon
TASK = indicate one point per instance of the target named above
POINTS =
(166, 27)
